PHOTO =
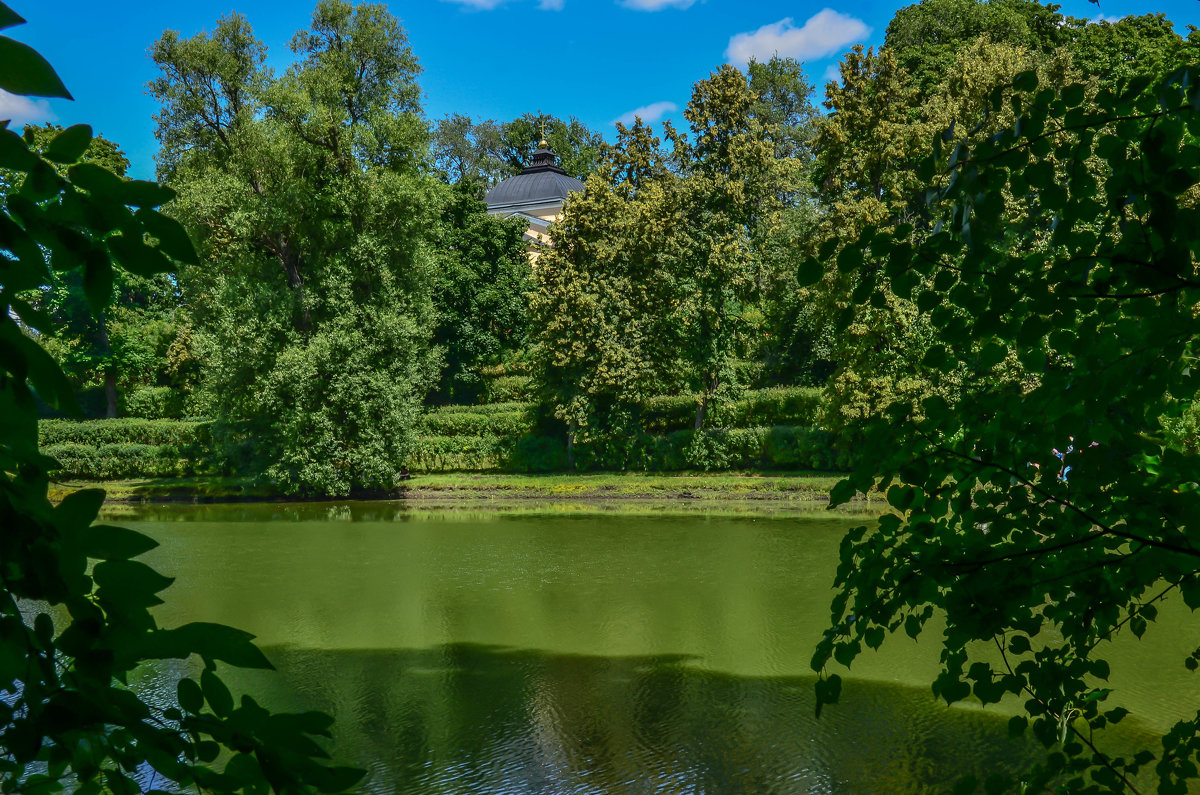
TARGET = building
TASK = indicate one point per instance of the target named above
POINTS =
(536, 194)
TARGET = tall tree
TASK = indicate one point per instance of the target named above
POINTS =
(309, 199)
(82, 344)
(603, 307)
(577, 146)
(465, 150)
(1031, 561)
(75, 604)
(732, 196)
(481, 287)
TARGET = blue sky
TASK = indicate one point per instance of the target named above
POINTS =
(598, 60)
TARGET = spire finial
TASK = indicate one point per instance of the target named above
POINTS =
(543, 144)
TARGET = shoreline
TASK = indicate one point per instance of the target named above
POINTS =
(737, 492)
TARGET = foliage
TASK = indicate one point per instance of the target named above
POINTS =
(309, 200)
(1095, 291)
(604, 296)
(75, 603)
(1132, 46)
(484, 152)
(480, 293)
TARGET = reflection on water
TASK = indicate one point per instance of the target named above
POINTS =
(552, 654)
(466, 718)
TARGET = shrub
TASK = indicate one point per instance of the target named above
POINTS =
(507, 388)
(125, 431)
(462, 423)
(153, 403)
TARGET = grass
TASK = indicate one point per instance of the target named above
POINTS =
(735, 491)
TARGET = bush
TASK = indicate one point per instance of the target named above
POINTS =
(779, 405)
(507, 388)
(457, 453)
(116, 461)
(463, 423)
(94, 433)
(153, 403)
(127, 448)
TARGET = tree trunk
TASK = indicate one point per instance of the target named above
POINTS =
(571, 428)
(710, 389)
(110, 393)
(110, 371)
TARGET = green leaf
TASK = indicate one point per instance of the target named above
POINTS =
(70, 144)
(172, 239)
(108, 542)
(24, 358)
(129, 582)
(79, 508)
(216, 693)
(191, 698)
(1026, 81)
(98, 180)
(142, 193)
(828, 689)
(137, 257)
(9, 18)
(339, 779)
(210, 641)
(97, 281)
(842, 492)
(810, 272)
(26, 73)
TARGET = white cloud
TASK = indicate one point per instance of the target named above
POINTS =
(23, 110)
(824, 33)
(479, 5)
(1105, 18)
(648, 113)
(488, 5)
(833, 72)
(655, 5)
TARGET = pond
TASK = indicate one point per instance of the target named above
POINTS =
(597, 653)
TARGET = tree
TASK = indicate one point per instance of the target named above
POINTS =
(577, 146)
(465, 150)
(1035, 564)
(604, 298)
(925, 37)
(311, 204)
(480, 292)
(75, 617)
(732, 196)
(82, 345)
(1146, 44)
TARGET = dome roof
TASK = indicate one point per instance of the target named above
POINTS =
(540, 183)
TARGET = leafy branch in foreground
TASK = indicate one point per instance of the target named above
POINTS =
(1065, 242)
(75, 603)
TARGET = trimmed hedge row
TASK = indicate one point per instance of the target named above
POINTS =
(782, 447)
(461, 423)
(761, 407)
(94, 433)
(117, 461)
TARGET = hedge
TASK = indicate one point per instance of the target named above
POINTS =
(497, 436)
(94, 433)
(153, 403)
(129, 460)
(793, 405)
(783, 447)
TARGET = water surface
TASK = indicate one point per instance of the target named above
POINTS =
(588, 653)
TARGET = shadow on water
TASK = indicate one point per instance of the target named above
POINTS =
(473, 718)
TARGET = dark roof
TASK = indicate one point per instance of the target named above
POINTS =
(541, 182)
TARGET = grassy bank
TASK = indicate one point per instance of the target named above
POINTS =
(768, 491)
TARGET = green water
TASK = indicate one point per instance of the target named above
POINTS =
(588, 653)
